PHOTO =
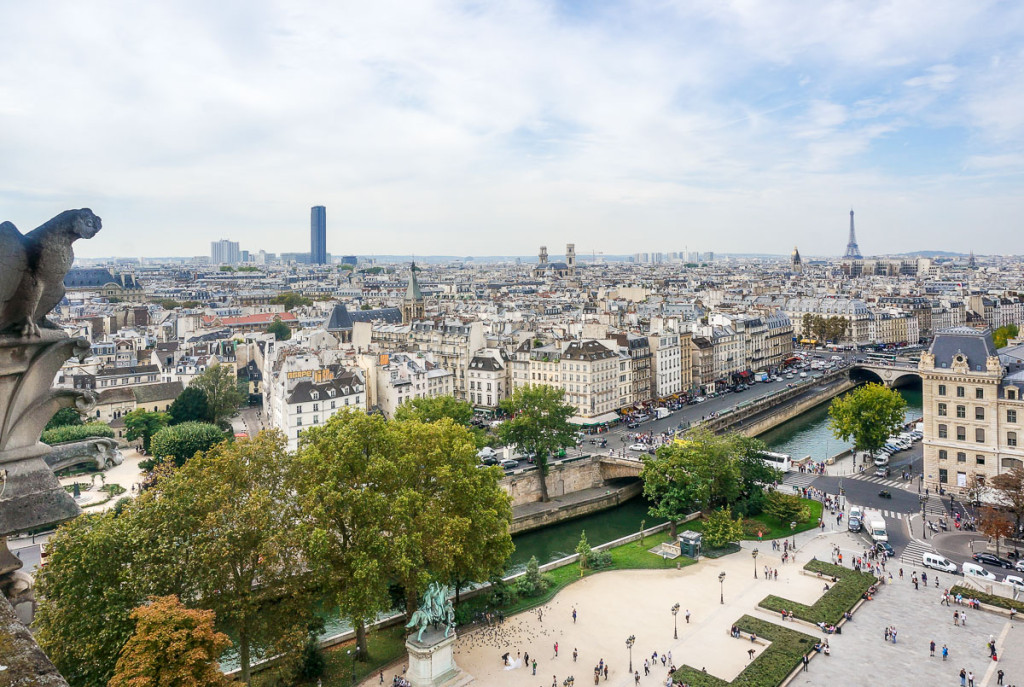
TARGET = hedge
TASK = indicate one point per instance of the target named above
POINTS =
(776, 662)
(842, 596)
(991, 599)
(65, 433)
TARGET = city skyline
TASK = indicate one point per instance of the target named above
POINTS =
(488, 130)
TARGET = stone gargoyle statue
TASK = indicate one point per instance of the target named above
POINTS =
(32, 269)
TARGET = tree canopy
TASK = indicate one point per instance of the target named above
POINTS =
(59, 435)
(223, 393)
(190, 406)
(172, 646)
(1009, 489)
(539, 425)
(178, 443)
(63, 418)
(1004, 333)
(290, 299)
(868, 416)
(435, 408)
(280, 330)
(143, 424)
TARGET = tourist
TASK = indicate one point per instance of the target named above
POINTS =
(574, 655)
(931, 648)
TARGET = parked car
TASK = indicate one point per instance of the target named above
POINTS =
(488, 460)
(632, 425)
(509, 464)
(853, 524)
(991, 559)
(1020, 566)
(639, 447)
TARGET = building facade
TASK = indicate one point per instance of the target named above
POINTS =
(318, 235)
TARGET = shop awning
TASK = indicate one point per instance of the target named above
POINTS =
(590, 421)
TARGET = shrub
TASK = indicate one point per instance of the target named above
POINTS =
(599, 559)
(840, 598)
(178, 443)
(770, 669)
(532, 583)
(502, 593)
(984, 598)
(312, 664)
(64, 433)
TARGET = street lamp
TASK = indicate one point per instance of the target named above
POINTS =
(630, 640)
(792, 528)
(754, 554)
(354, 655)
(721, 582)
(675, 621)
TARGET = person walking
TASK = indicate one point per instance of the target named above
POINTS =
(945, 652)
(806, 661)
(574, 616)
(931, 648)
(574, 655)
(556, 649)
(963, 678)
(687, 616)
(970, 678)
(534, 666)
(606, 673)
(999, 677)
(636, 677)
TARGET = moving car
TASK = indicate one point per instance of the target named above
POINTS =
(884, 547)
(1015, 581)
(853, 524)
(509, 464)
(639, 447)
(934, 560)
(991, 559)
(488, 460)
(973, 570)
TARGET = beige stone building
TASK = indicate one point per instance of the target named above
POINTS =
(973, 412)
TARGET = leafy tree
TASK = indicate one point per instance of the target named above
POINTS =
(785, 507)
(435, 408)
(1009, 488)
(144, 424)
(290, 300)
(995, 524)
(532, 583)
(179, 443)
(584, 551)
(720, 529)
(702, 472)
(227, 268)
(65, 417)
(868, 416)
(539, 425)
(1004, 333)
(280, 330)
(89, 430)
(169, 304)
(87, 593)
(190, 406)
(221, 529)
(171, 646)
(223, 395)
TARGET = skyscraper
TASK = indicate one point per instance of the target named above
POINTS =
(852, 250)
(318, 235)
(224, 252)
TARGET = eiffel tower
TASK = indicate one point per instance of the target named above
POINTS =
(852, 251)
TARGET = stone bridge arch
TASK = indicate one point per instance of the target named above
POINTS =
(892, 376)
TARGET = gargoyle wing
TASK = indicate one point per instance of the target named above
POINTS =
(13, 263)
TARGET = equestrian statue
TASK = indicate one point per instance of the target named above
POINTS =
(436, 608)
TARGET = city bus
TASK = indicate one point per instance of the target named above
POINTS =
(780, 461)
(880, 357)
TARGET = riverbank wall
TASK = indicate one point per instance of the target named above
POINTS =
(536, 516)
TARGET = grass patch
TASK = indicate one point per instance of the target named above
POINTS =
(840, 598)
(769, 527)
(990, 599)
(775, 663)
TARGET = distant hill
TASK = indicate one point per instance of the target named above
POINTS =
(934, 254)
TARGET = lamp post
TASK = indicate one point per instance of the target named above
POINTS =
(675, 621)
(792, 528)
(354, 655)
(754, 554)
(721, 582)
(630, 640)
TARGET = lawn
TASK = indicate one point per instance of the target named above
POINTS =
(783, 655)
(770, 527)
(842, 596)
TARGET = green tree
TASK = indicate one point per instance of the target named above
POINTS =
(144, 424)
(65, 417)
(223, 393)
(435, 408)
(532, 583)
(290, 299)
(87, 592)
(1004, 333)
(221, 529)
(785, 508)
(539, 425)
(169, 304)
(280, 330)
(1009, 489)
(179, 443)
(584, 551)
(172, 646)
(702, 472)
(868, 416)
(59, 435)
(190, 406)
(720, 529)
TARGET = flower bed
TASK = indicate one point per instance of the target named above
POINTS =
(783, 655)
(840, 598)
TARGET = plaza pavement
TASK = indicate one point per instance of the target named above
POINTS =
(613, 605)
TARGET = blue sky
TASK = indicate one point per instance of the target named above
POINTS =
(491, 128)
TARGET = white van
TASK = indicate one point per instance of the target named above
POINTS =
(881, 459)
(975, 570)
(1015, 581)
(934, 560)
(857, 512)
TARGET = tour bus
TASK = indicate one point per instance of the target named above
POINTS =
(779, 461)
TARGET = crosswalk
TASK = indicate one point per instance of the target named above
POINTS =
(885, 481)
(799, 479)
(913, 551)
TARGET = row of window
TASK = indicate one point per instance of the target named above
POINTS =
(979, 412)
(961, 457)
(961, 392)
(979, 435)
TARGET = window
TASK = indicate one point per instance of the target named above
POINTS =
(979, 392)
(1011, 394)
(1011, 438)
(1011, 416)
(316, 407)
(961, 457)
(942, 431)
(979, 413)
(942, 389)
(943, 454)
(979, 460)
(979, 435)
(298, 409)
(961, 411)
(961, 434)
(942, 409)
(298, 422)
(943, 476)
(960, 393)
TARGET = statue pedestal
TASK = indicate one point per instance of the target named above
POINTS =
(432, 661)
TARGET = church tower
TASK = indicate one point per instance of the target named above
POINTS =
(412, 304)
(570, 258)
(543, 257)
(798, 266)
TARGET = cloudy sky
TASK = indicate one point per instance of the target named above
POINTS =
(477, 128)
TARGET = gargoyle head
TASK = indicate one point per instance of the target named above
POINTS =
(84, 223)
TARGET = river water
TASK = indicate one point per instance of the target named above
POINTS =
(806, 435)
